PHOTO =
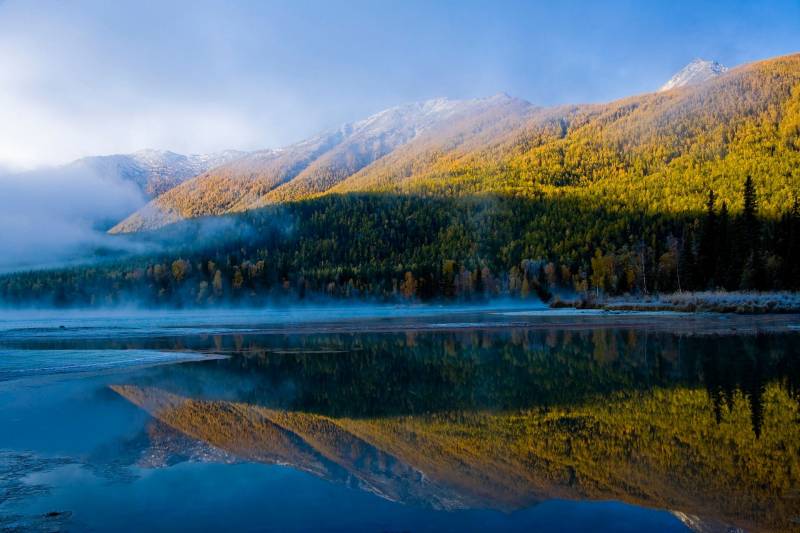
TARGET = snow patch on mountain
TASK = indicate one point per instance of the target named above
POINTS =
(153, 171)
(698, 71)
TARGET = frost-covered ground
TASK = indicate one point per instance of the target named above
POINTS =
(708, 301)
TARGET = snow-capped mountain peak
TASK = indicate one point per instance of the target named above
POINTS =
(698, 71)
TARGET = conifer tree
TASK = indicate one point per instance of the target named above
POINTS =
(753, 270)
(686, 263)
(750, 214)
(722, 273)
(794, 246)
(707, 251)
(478, 284)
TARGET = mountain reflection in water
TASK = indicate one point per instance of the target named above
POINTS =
(705, 425)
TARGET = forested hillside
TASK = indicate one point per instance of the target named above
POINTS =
(315, 165)
(408, 247)
(686, 189)
(153, 172)
(658, 152)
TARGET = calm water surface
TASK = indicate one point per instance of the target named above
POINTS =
(399, 419)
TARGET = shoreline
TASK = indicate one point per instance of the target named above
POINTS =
(737, 303)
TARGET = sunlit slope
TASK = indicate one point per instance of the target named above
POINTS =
(660, 152)
(661, 449)
(312, 166)
(229, 187)
(392, 129)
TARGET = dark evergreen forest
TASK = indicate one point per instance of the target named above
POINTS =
(403, 247)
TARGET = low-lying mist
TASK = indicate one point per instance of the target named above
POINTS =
(131, 321)
(53, 216)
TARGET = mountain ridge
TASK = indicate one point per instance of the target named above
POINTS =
(305, 168)
(639, 145)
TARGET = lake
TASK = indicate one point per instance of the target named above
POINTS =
(382, 418)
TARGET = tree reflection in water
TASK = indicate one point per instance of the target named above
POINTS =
(702, 424)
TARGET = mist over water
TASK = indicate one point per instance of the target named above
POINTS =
(134, 322)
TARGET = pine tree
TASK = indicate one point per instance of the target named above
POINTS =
(752, 272)
(707, 251)
(722, 274)
(783, 239)
(750, 212)
(792, 256)
(447, 281)
(478, 284)
(686, 263)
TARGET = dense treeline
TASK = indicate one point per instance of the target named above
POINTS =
(415, 247)
(715, 251)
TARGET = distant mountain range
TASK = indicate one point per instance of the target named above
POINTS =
(317, 165)
(450, 198)
(504, 144)
(498, 144)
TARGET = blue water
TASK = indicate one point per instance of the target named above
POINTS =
(16, 364)
(78, 453)
(244, 497)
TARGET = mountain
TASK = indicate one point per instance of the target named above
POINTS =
(659, 151)
(469, 199)
(153, 171)
(313, 166)
(315, 444)
(698, 71)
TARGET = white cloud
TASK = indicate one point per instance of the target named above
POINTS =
(86, 81)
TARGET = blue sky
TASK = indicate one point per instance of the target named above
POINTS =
(79, 78)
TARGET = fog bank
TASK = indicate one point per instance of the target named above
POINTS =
(53, 216)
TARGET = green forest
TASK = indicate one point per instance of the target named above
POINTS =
(411, 247)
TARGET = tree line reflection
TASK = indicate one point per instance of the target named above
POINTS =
(388, 374)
